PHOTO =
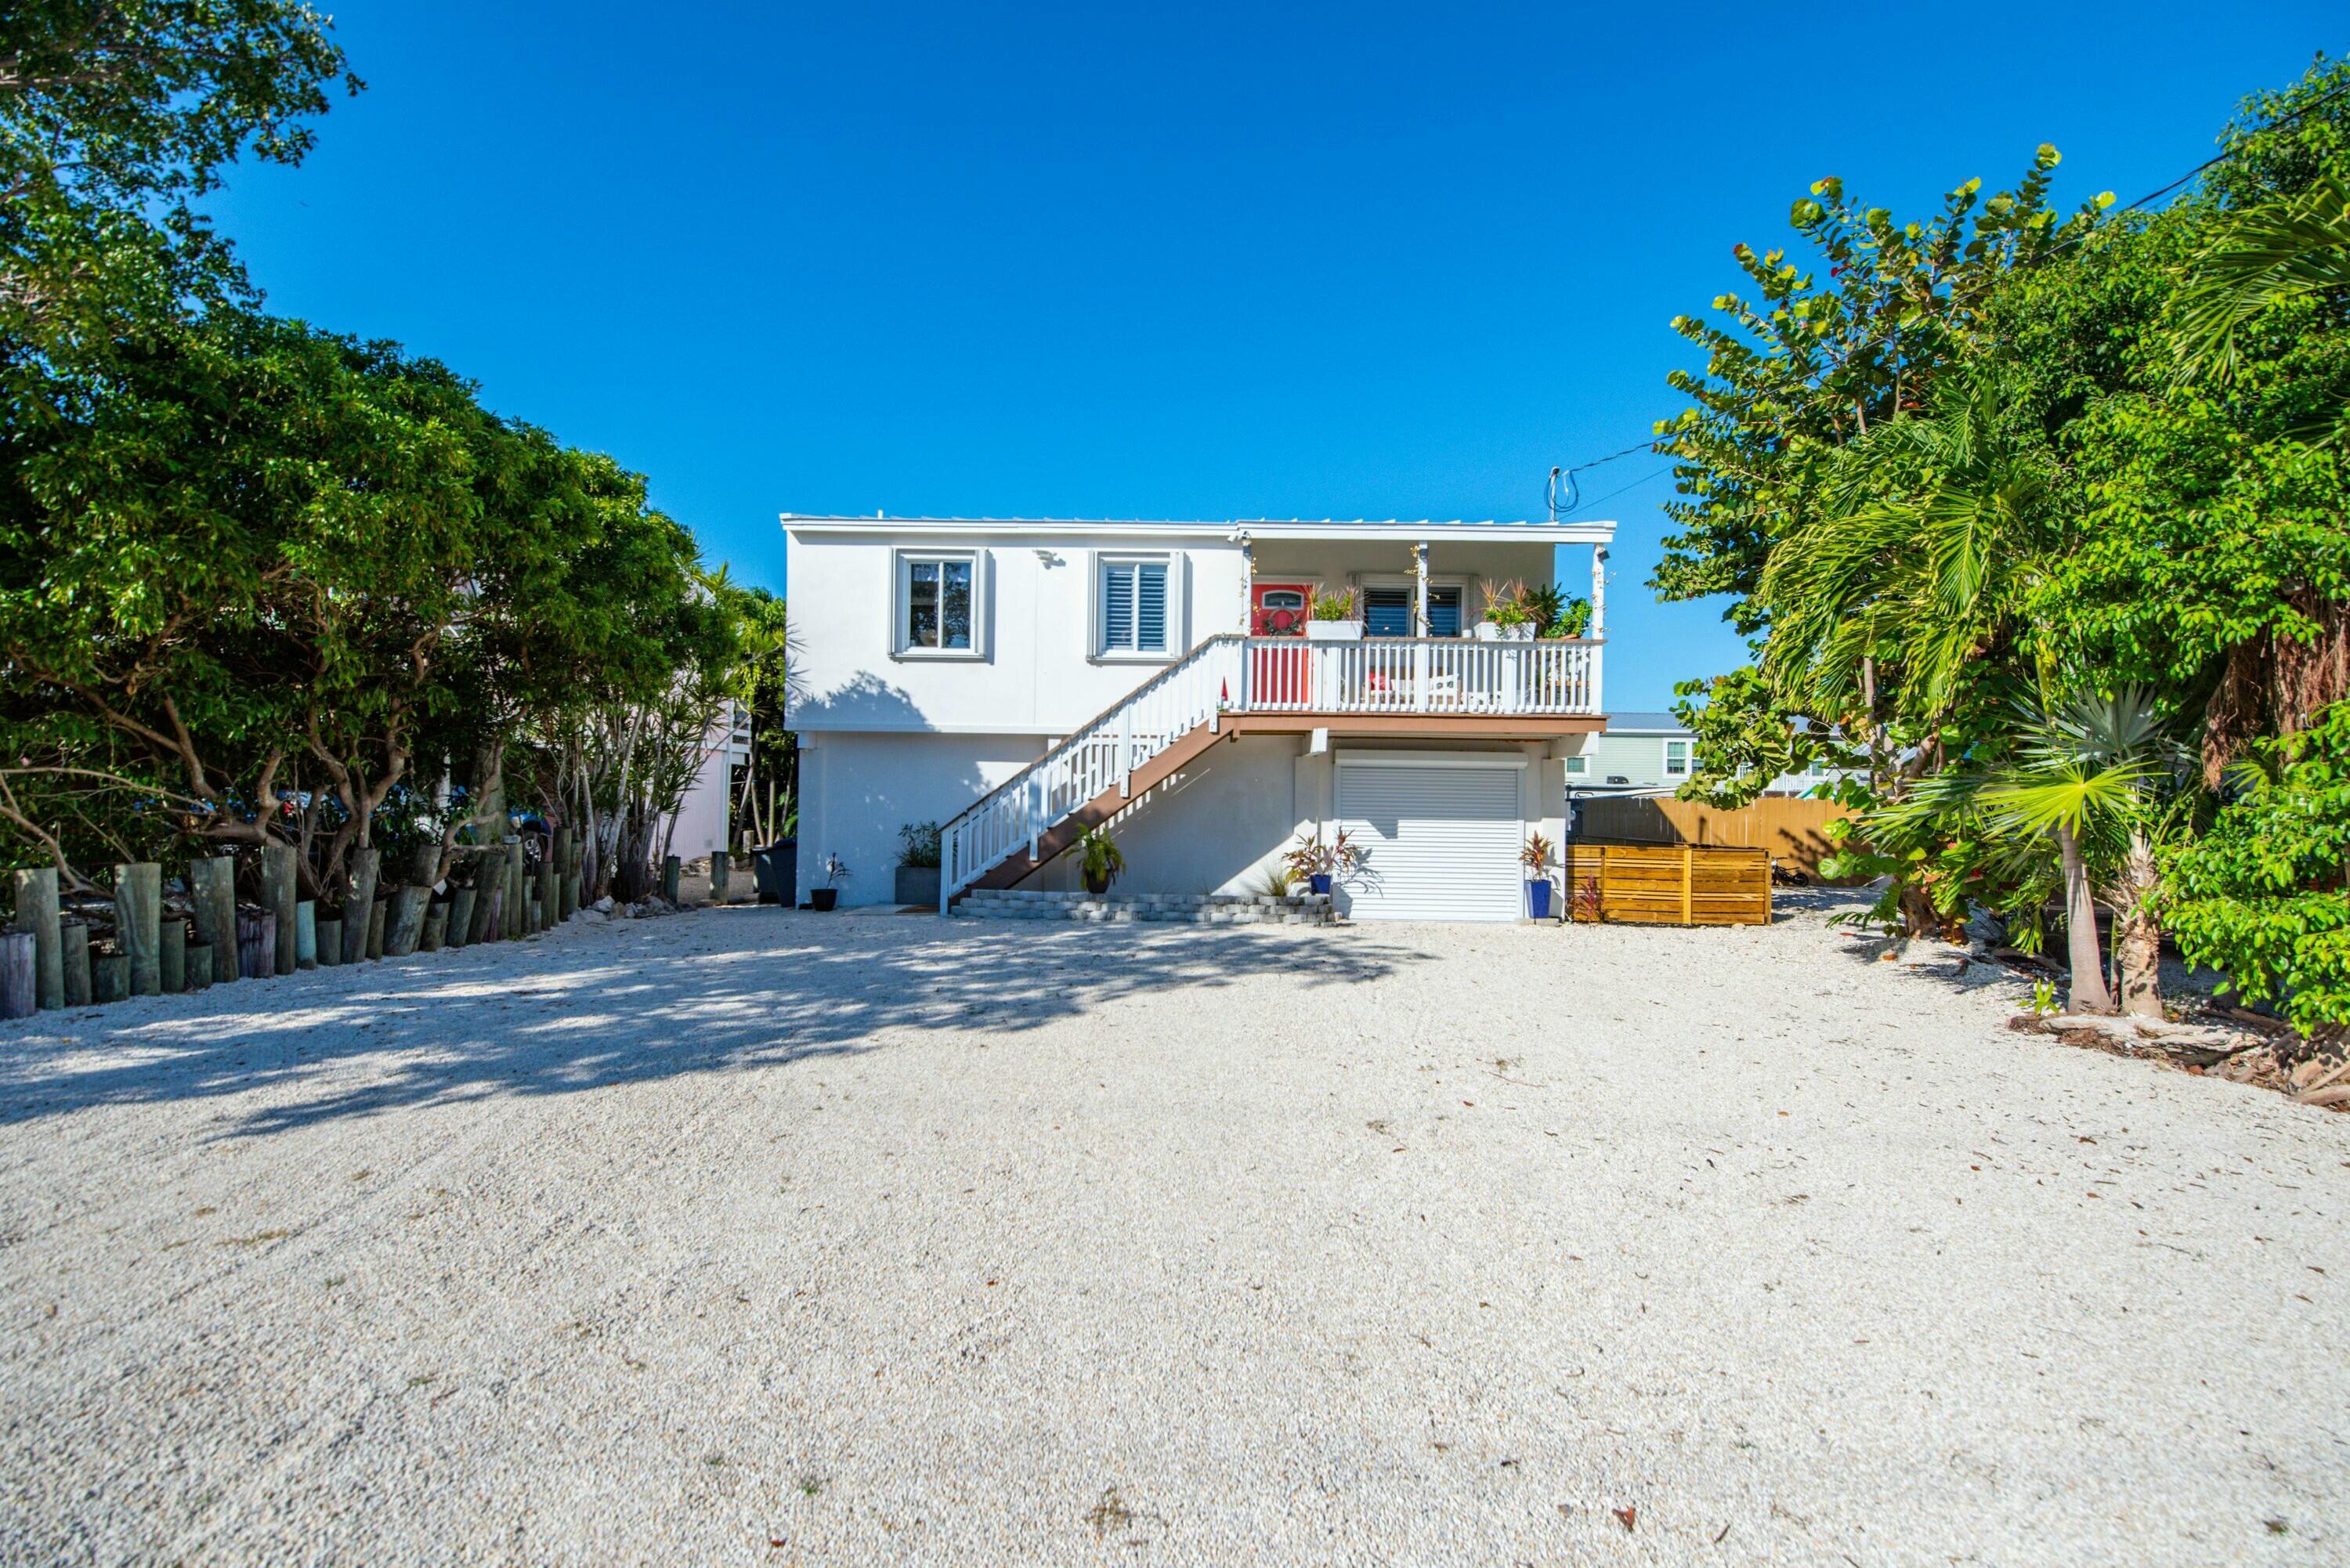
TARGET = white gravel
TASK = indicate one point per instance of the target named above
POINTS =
(751, 1237)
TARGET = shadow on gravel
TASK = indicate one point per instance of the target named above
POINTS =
(715, 992)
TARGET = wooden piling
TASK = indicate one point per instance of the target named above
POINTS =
(174, 951)
(436, 927)
(513, 888)
(671, 867)
(375, 929)
(212, 885)
(278, 897)
(201, 972)
(489, 901)
(138, 924)
(306, 934)
(548, 910)
(73, 946)
(564, 854)
(460, 919)
(256, 944)
(20, 991)
(330, 940)
(109, 977)
(367, 869)
(721, 872)
(404, 922)
(36, 911)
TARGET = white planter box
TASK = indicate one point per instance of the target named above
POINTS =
(1488, 633)
(1334, 631)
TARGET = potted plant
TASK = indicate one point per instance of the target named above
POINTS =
(918, 863)
(1099, 861)
(1537, 857)
(1334, 617)
(1321, 865)
(836, 871)
(1508, 615)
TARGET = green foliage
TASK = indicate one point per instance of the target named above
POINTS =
(1327, 606)
(259, 581)
(1099, 858)
(2265, 894)
(1967, 469)
(919, 845)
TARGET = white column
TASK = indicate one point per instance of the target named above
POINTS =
(1599, 591)
(1248, 582)
(1420, 590)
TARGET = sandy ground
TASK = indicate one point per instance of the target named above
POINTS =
(756, 1237)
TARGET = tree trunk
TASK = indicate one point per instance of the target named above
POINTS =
(2088, 993)
(2137, 935)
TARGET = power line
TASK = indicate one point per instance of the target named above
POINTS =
(1957, 297)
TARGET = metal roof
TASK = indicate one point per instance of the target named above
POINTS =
(1646, 723)
(1578, 533)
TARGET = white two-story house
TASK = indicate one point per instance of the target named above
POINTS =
(1022, 680)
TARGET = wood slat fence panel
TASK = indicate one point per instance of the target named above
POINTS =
(1679, 885)
(1792, 829)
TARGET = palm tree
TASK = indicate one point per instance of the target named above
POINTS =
(1934, 525)
(2101, 777)
(2279, 250)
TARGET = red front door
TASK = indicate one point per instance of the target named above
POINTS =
(1278, 609)
(1277, 676)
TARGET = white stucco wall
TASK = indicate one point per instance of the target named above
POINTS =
(701, 816)
(858, 790)
(1034, 671)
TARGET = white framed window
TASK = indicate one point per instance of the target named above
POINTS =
(938, 605)
(1137, 607)
(1577, 766)
(1677, 759)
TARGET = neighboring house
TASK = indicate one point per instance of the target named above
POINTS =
(703, 814)
(1653, 753)
(1019, 681)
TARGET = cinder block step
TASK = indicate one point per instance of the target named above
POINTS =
(1176, 909)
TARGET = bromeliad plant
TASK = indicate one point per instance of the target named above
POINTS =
(1340, 606)
(1310, 858)
(1538, 856)
(1506, 604)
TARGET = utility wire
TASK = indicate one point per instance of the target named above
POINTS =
(1956, 298)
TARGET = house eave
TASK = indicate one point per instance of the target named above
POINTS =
(1227, 531)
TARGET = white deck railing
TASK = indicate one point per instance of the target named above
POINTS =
(1233, 674)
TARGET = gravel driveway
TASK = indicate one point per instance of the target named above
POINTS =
(753, 1237)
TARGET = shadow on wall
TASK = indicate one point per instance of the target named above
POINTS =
(864, 702)
(742, 991)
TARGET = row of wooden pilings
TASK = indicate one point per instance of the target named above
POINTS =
(47, 960)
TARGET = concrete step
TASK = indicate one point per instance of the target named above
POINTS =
(1179, 908)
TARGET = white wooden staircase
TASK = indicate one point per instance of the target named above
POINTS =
(1177, 714)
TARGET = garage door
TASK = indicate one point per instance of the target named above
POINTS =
(1442, 840)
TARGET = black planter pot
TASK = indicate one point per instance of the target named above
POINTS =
(1097, 886)
(824, 898)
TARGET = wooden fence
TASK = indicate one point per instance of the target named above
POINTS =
(1684, 885)
(1792, 829)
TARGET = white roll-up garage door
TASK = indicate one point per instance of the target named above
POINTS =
(1442, 840)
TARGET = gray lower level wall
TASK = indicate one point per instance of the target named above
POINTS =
(1216, 828)
(858, 788)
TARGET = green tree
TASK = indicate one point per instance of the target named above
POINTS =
(2265, 895)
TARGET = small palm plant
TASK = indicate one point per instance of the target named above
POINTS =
(2102, 777)
(1100, 861)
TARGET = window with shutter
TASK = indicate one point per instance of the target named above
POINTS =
(1134, 607)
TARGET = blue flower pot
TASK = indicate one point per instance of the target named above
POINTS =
(1319, 881)
(1538, 899)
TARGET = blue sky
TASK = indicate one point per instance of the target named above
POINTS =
(1189, 261)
